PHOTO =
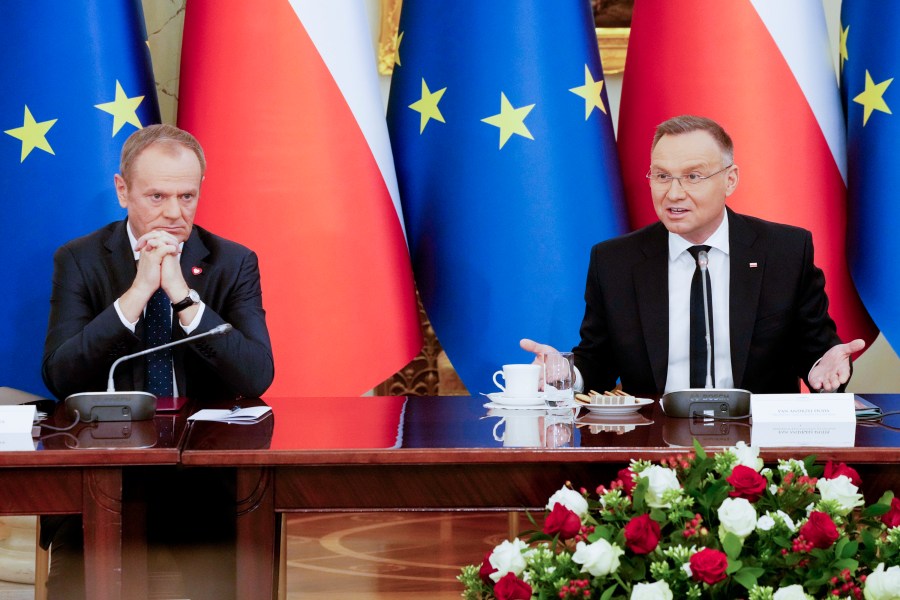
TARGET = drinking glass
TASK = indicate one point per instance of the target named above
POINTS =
(559, 378)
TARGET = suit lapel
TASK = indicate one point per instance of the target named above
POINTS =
(195, 269)
(120, 259)
(653, 306)
(747, 265)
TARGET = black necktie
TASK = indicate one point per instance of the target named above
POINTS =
(158, 330)
(698, 324)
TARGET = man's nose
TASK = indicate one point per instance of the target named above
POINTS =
(676, 190)
(171, 208)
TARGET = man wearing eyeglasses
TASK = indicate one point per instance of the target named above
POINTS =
(769, 321)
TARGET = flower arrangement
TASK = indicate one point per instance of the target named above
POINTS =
(704, 526)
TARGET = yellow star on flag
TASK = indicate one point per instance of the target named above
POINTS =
(398, 39)
(510, 120)
(843, 51)
(427, 106)
(590, 91)
(32, 134)
(123, 109)
(872, 97)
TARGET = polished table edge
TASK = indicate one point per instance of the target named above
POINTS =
(362, 456)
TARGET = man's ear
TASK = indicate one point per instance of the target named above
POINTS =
(121, 189)
(732, 179)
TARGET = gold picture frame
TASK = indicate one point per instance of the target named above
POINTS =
(612, 41)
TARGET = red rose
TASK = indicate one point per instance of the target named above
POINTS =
(819, 530)
(642, 534)
(833, 471)
(511, 587)
(709, 565)
(486, 569)
(892, 517)
(626, 476)
(562, 521)
(747, 483)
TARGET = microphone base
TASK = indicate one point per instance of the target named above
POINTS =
(716, 403)
(111, 406)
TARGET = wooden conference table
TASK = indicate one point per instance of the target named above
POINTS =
(448, 453)
(81, 472)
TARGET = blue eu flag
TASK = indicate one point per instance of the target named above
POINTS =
(76, 82)
(869, 62)
(508, 171)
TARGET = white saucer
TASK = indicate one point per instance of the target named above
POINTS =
(617, 409)
(499, 399)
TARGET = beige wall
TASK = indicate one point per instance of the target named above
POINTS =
(878, 370)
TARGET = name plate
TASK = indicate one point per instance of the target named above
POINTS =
(17, 418)
(787, 420)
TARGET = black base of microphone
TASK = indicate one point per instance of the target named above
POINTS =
(111, 406)
(715, 403)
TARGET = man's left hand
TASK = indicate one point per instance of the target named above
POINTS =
(833, 369)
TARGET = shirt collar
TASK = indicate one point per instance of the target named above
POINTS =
(718, 240)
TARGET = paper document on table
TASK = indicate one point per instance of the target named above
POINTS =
(251, 414)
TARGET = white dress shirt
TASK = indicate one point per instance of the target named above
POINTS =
(681, 271)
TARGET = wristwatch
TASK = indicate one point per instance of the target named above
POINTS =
(192, 298)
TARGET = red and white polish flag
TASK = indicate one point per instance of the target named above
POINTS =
(284, 97)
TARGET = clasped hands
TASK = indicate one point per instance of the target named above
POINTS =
(158, 267)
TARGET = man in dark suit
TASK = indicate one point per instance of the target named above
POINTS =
(102, 283)
(109, 288)
(771, 326)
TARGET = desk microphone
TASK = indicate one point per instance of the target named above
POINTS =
(722, 403)
(125, 406)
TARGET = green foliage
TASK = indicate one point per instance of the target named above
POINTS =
(769, 558)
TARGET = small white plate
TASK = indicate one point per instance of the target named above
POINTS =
(617, 409)
(507, 402)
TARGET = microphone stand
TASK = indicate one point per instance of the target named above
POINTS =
(708, 402)
(125, 406)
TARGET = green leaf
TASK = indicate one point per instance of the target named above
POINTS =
(746, 578)
(608, 593)
(876, 510)
(698, 449)
(733, 566)
(849, 549)
(846, 563)
(732, 545)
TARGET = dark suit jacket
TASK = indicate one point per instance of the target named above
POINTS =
(85, 334)
(778, 309)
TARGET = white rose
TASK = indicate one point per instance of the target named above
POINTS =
(791, 592)
(883, 585)
(508, 558)
(599, 559)
(842, 490)
(737, 516)
(570, 499)
(765, 523)
(788, 522)
(660, 479)
(658, 590)
(748, 456)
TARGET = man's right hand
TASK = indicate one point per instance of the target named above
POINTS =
(537, 348)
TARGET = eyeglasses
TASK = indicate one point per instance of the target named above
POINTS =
(662, 179)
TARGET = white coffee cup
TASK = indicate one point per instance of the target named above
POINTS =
(522, 381)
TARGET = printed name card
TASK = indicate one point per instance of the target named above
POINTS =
(16, 422)
(804, 420)
(17, 418)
